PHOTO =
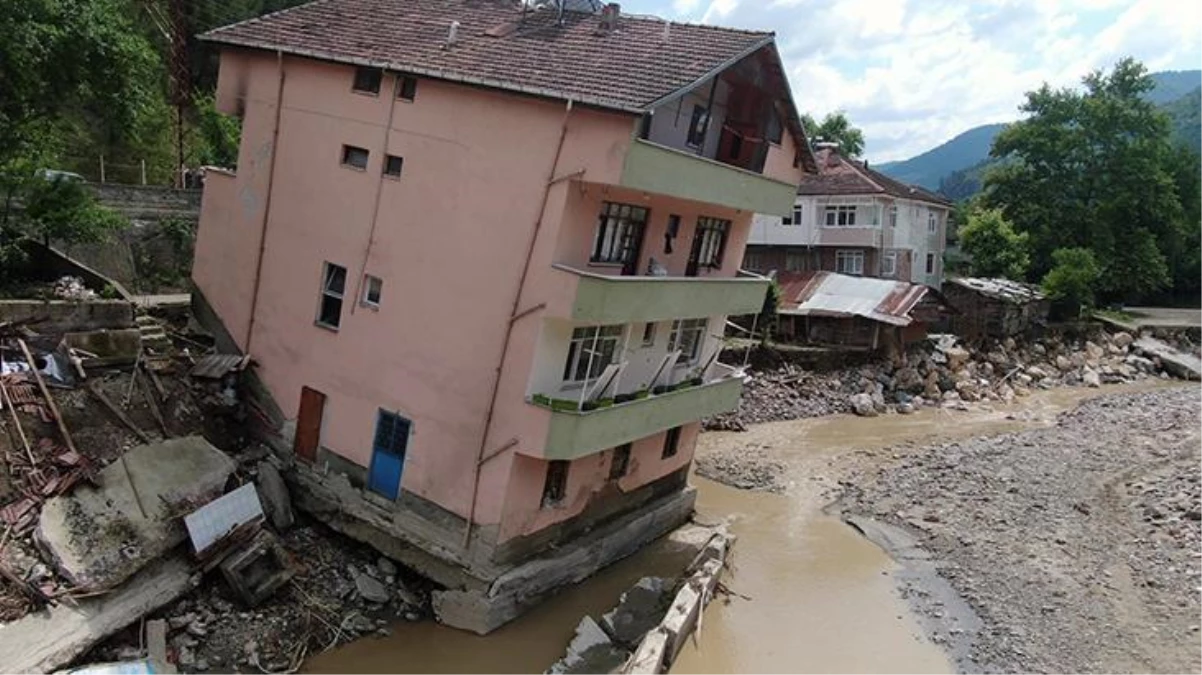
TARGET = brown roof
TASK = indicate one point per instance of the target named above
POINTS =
(838, 175)
(629, 69)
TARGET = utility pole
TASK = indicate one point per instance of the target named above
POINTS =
(181, 79)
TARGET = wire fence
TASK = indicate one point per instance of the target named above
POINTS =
(99, 169)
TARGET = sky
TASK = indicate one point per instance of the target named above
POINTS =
(914, 73)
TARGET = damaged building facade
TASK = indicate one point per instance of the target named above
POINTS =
(482, 255)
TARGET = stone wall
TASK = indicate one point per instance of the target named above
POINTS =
(61, 316)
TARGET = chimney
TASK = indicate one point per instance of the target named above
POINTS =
(452, 35)
(609, 17)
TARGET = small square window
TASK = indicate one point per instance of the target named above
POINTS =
(648, 334)
(671, 442)
(556, 483)
(393, 165)
(367, 80)
(354, 157)
(406, 88)
(372, 286)
(620, 463)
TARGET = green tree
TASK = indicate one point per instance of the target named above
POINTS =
(836, 128)
(65, 211)
(996, 249)
(1074, 276)
(218, 135)
(1092, 169)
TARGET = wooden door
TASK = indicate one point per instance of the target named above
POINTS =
(308, 424)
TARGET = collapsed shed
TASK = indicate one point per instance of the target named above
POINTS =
(825, 308)
(997, 308)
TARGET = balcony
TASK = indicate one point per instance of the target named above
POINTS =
(602, 299)
(662, 170)
(573, 434)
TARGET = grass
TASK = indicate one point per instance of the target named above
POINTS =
(1116, 315)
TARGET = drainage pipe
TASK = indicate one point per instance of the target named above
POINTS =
(514, 315)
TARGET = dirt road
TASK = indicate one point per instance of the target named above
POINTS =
(1077, 545)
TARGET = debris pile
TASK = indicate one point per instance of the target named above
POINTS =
(940, 372)
(72, 288)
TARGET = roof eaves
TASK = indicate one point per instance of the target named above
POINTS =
(435, 73)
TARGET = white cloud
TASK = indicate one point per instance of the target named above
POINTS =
(915, 73)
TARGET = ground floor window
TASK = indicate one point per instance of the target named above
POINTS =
(556, 483)
(592, 349)
(687, 335)
(930, 263)
(671, 442)
(849, 262)
(754, 261)
(795, 261)
(621, 462)
(889, 265)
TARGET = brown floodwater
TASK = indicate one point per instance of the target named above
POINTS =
(821, 597)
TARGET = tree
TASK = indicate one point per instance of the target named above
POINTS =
(1073, 278)
(60, 210)
(835, 127)
(1093, 169)
(996, 249)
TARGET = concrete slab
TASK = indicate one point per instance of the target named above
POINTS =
(45, 641)
(1165, 317)
(111, 347)
(590, 651)
(1179, 364)
(99, 537)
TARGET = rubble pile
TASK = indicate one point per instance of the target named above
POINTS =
(72, 288)
(941, 372)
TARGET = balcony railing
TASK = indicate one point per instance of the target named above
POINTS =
(574, 433)
(603, 299)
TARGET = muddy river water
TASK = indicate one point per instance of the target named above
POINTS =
(819, 597)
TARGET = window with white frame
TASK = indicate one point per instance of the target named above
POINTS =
(849, 262)
(795, 261)
(932, 223)
(591, 349)
(619, 232)
(333, 287)
(840, 215)
(892, 216)
(711, 236)
(794, 218)
(648, 334)
(930, 263)
(754, 261)
(372, 287)
(687, 335)
(889, 264)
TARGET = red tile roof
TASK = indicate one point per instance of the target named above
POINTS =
(629, 69)
(838, 175)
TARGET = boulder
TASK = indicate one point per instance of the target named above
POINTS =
(863, 405)
(1039, 350)
(1093, 351)
(908, 380)
(1006, 393)
(1091, 378)
(1063, 363)
(370, 589)
(1122, 339)
(968, 390)
(1036, 373)
(274, 495)
(957, 357)
(905, 408)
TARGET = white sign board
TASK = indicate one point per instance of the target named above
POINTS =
(219, 517)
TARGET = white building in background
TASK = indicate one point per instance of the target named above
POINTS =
(851, 219)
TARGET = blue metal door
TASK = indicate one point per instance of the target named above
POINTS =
(388, 455)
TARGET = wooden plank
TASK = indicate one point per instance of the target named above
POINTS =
(58, 417)
(8, 403)
(91, 387)
(154, 408)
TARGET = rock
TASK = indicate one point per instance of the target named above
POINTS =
(863, 405)
(1122, 339)
(1006, 393)
(908, 380)
(1009, 344)
(1021, 391)
(1093, 351)
(1063, 363)
(185, 657)
(968, 390)
(1038, 349)
(197, 629)
(1023, 379)
(996, 358)
(951, 396)
(181, 621)
(371, 589)
(386, 567)
(1091, 378)
(201, 664)
(956, 357)
(905, 408)
(1036, 373)
(274, 494)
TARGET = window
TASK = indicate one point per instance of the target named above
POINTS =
(367, 80)
(355, 158)
(795, 261)
(794, 218)
(932, 223)
(892, 216)
(671, 442)
(840, 216)
(711, 237)
(591, 349)
(393, 165)
(333, 285)
(687, 336)
(889, 265)
(618, 233)
(754, 261)
(774, 132)
(620, 462)
(698, 125)
(648, 334)
(930, 263)
(406, 88)
(371, 291)
(556, 483)
(849, 262)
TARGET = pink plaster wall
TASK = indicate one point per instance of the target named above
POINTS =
(449, 243)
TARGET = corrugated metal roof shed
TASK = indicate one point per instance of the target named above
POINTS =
(840, 295)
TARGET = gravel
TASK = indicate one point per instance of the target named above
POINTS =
(1077, 545)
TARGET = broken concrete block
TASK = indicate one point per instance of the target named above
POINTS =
(274, 495)
(370, 589)
(258, 570)
(111, 347)
(99, 537)
(590, 651)
(639, 610)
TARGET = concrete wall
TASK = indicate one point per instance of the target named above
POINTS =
(63, 316)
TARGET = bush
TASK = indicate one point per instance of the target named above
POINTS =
(996, 248)
(1074, 275)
